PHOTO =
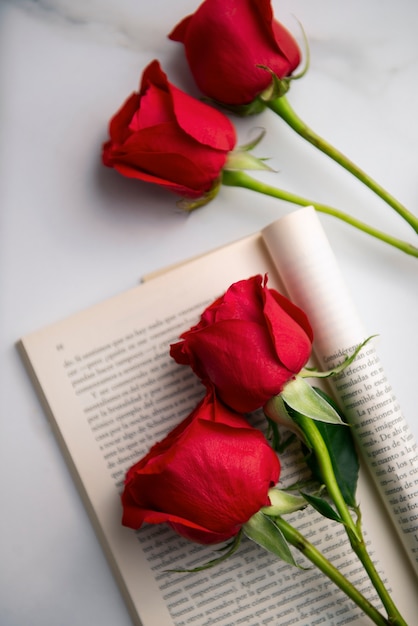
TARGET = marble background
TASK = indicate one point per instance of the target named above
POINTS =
(73, 233)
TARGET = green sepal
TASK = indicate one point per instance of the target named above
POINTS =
(191, 204)
(313, 373)
(246, 147)
(280, 86)
(304, 399)
(277, 88)
(277, 412)
(262, 530)
(228, 551)
(238, 160)
(278, 443)
(282, 502)
(322, 506)
(243, 110)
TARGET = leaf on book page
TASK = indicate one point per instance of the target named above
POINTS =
(322, 506)
(340, 444)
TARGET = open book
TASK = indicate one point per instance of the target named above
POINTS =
(111, 390)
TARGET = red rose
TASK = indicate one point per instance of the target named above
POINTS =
(162, 135)
(225, 41)
(248, 344)
(205, 479)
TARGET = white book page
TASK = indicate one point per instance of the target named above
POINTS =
(112, 390)
(312, 279)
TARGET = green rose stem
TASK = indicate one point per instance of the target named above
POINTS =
(296, 539)
(238, 178)
(282, 107)
(353, 530)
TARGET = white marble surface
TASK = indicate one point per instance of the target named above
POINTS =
(73, 232)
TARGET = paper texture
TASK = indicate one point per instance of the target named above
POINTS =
(313, 281)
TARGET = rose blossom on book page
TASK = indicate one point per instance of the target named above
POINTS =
(111, 390)
(312, 280)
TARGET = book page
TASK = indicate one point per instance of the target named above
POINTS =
(111, 390)
(313, 281)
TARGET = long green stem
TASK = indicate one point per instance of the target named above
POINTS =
(354, 533)
(238, 178)
(297, 540)
(282, 107)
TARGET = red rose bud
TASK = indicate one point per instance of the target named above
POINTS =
(164, 136)
(225, 41)
(248, 344)
(205, 479)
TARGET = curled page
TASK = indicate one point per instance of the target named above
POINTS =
(310, 274)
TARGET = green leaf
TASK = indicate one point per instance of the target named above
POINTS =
(322, 506)
(265, 532)
(341, 447)
(301, 397)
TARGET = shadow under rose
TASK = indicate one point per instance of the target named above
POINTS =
(132, 198)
